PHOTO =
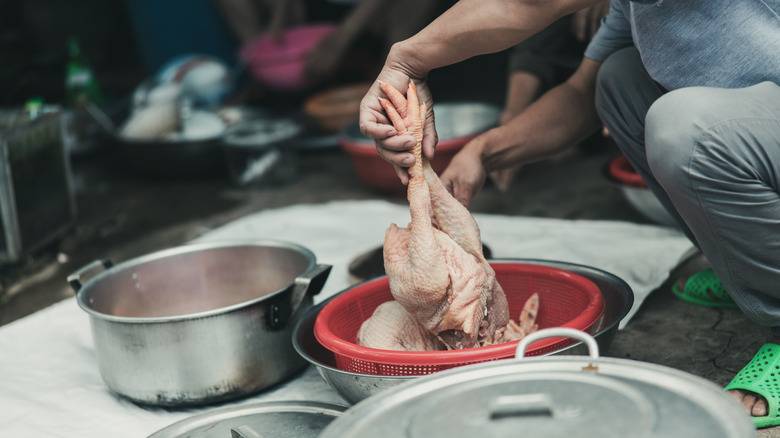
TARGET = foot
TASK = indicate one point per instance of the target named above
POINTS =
(754, 404)
(681, 282)
(703, 288)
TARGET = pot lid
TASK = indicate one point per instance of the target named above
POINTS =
(557, 396)
(561, 405)
(271, 419)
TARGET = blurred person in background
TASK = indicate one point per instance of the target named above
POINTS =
(542, 62)
(387, 21)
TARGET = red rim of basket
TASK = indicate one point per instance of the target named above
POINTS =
(624, 172)
(593, 311)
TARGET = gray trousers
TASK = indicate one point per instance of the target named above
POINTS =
(712, 157)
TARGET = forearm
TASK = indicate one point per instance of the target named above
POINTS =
(475, 27)
(561, 118)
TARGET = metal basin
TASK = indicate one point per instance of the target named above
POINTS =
(355, 387)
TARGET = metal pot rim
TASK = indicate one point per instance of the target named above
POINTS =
(185, 249)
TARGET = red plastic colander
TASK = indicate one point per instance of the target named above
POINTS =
(565, 300)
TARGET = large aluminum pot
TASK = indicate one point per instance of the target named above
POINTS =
(200, 323)
(550, 396)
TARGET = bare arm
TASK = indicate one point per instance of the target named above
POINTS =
(476, 27)
(559, 119)
(468, 29)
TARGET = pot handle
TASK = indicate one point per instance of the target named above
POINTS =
(74, 279)
(590, 341)
(310, 282)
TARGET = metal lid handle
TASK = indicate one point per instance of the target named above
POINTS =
(244, 431)
(565, 332)
(521, 405)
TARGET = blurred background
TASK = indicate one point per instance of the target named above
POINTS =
(127, 42)
(132, 126)
(34, 49)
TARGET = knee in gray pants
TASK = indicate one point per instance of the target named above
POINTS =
(715, 153)
(672, 126)
(675, 124)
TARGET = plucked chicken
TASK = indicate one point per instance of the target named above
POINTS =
(446, 293)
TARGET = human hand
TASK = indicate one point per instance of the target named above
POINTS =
(394, 147)
(587, 21)
(466, 174)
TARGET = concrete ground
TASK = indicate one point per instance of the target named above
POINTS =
(122, 215)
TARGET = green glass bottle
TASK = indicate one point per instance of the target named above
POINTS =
(81, 87)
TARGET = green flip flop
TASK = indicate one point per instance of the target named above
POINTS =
(704, 289)
(762, 376)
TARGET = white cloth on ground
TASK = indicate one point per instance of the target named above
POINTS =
(51, 386)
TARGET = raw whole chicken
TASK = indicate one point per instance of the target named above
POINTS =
(446, 292)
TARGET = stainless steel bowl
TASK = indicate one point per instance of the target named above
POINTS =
(355, 387)
(352, 387)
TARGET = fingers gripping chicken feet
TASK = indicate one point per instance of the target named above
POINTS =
(438, 273)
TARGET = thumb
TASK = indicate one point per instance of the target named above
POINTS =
(430, 139)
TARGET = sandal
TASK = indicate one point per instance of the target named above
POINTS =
(760, 376)
(704, 289)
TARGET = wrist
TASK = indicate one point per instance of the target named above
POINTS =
(475, 150)
(405, 58)
(490, 149)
